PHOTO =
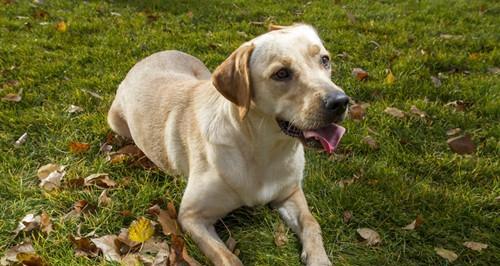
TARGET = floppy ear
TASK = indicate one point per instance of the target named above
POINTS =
(232, 78)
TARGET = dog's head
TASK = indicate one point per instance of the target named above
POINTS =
(286, 73)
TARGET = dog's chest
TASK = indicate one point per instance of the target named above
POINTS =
(267, 178)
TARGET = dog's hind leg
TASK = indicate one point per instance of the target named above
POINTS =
(117, 122)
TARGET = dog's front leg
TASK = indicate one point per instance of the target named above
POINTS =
(296, 214)
(205, 200)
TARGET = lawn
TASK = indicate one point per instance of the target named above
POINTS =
(412, 173)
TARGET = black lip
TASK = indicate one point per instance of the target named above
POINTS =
(289, 129)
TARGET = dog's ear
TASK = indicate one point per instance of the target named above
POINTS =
(232, 78)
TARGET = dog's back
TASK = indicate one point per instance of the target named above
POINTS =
(163, 81)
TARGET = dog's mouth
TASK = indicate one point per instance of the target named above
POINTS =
(326, 138)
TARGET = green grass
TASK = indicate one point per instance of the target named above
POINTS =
(413, 173)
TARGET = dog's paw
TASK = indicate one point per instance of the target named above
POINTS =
(315, 258)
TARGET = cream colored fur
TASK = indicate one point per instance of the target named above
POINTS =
(232, 151)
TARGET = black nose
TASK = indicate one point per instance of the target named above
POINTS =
(336, 102)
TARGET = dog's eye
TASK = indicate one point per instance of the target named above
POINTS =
(325, 61)
(282, 74)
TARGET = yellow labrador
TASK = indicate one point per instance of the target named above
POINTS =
(237, 134)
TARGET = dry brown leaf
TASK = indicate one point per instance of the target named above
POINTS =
(14, 97)
(100, 179)
(357, 112)
(474, 56)
(21, 140)
(103, 199)
(459, 105)
(359, 73)
(28, 223)
(131, 259)
(172, 212)
(84, 247)
(436, 81)
(453, 131)
(45, 223)
(371, 142)
(447, 254)
(123, 237)
(30, 259)
(494, 70)
(477, 246)
(390, 78)
(132, 154)
(50, 176)
(394, 112)
(461, 144)
(231, 244)
(347, 216)
(61, 26)
(74, 109)
(370, 236)
(140, 230)
(280, 236)
(168, 224)
(415, 224)
(79, 207)
(10, 256)
(179, 255)
(346, 182)
(415, 110)
(78, 147)
(108, 247)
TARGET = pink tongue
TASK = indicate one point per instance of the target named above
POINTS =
(328, 136)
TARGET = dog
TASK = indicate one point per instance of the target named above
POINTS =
(238, 135)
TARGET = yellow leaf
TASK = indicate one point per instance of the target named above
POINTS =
(61, 26)
(140, 230)
(390, 78)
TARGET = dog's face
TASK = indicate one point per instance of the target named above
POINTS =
(287, 75)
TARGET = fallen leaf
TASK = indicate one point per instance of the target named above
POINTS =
(126, 213)
(10, 256)
(141, 230)
(30, 259)
(390, 78)
(475, 245)
(132, 154)
(124, 238)
(172, 212)
(100, 179)
(357, 112)
(168, 223)
(28, 223)
(74, 109)
(453, 131)
(474, 56)
(347, 216)
(359, 73)
(371, 142)
(450, 36)
(415, 110)
(178, 253)
(350, 17)
(415, 224)
(84, 247)
(50, 176)
(45, 223)
(14, 97)
(346, 182)
(436, 81)
(189, 14)
(447, 254)
(21, 140)
(78, 147)
(79, 207)
(494, 70)
(61, 26)
(231, 244)
(131, 259)
(280, 237)
(394, 112)
(108, 247)
(370, 236)
(93, 94)
(459, 105)
(461, 144)
(103, 199)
